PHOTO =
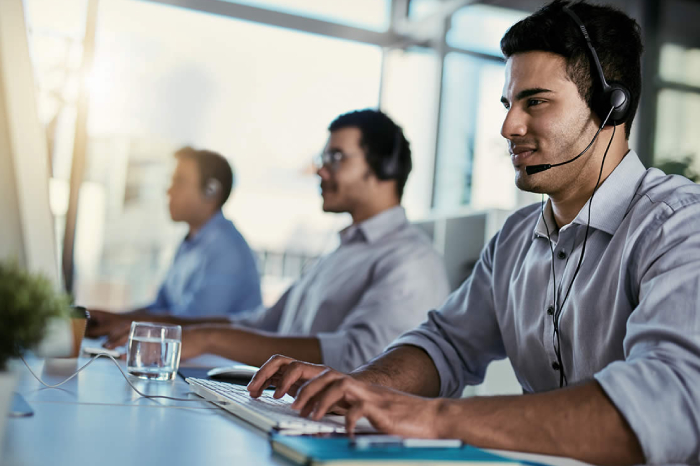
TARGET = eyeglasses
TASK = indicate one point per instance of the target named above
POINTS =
(331, 159)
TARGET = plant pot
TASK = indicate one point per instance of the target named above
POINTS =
(8, 381)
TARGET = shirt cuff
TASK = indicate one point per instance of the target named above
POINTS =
(647, 394)
(333, 350)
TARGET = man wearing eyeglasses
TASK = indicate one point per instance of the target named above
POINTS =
(377, 284)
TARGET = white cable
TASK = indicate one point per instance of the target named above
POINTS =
(120, 370)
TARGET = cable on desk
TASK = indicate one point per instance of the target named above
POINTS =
(120, 370)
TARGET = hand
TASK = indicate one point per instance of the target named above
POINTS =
(388, 410)
(103, 323)
(286, 374)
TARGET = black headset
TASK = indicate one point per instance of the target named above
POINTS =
(611, 94)
(389, 168)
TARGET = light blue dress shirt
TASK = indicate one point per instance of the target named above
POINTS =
(213, 273)
(631, 322)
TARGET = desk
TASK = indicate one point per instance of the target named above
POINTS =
(96, 418)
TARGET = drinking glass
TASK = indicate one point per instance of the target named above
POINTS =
(153, 351)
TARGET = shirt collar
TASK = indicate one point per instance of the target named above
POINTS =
(611, 201)
(209, 226)
(375, 227)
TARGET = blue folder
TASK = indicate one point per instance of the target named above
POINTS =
(339, 450)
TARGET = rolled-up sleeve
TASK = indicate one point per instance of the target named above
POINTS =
(657, 387)
(463, 336)
(402, 289)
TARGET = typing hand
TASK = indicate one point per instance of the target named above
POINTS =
(118, 335)
(286, 374)
(388, 410)
(103, 323)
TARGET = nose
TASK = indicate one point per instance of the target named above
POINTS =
(515, 124)
(324, 172)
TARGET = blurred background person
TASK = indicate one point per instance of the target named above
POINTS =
(214, 272)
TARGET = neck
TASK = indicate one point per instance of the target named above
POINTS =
(197, 224)
(365, 212)
(568, 203)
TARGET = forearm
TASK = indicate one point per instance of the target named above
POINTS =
(578, 422)
(256, 347)
(406, 368)
(166, 319)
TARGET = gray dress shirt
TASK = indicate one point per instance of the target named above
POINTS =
(631, 321)
(379, 283)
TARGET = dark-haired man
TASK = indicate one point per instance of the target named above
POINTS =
(376, 285)
(214, 272)
(606, 342)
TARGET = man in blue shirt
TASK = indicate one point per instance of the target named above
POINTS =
(214, 272)
(593, 296)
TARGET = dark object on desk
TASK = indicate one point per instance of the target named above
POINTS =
(19, 407)
(239, 374)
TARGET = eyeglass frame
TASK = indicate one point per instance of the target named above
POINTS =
(331, 159)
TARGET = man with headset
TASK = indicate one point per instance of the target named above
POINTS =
(593, 296)
(376, 285)
(214, 271)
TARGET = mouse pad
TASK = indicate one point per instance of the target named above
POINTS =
(201, 373)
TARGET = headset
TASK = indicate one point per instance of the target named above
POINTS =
(389, 168)
(612, 104)
(211, 188)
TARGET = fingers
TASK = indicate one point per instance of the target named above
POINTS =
(295, 375)
(118, 336)
(97, 324)
(344, 389)
(313, 387)
(352, 417)
(263, 377)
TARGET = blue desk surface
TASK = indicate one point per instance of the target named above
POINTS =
(96, 418)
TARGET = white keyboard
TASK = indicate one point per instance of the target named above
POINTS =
(266, 412)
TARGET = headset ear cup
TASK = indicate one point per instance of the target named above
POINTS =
(618, 97)
(211, 188)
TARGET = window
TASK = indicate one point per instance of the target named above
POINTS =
(410, 97)
(260, 95)
(368, 14)
(677, 138)
(55, 36)
(479, 28)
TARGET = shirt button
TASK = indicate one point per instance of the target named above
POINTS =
(555, 366)
(550, 310)
(561, 255)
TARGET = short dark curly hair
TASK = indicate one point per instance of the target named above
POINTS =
(212, 165)
(380, 137)
(615, 36)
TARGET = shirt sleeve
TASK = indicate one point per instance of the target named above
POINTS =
(160, 305)
(656, 387)
(263, 318)
(463, 336)
(403, 286)
(223, 285)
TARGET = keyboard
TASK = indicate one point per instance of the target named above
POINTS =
(266, 412)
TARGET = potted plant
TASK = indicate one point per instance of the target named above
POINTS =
(27, 302)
